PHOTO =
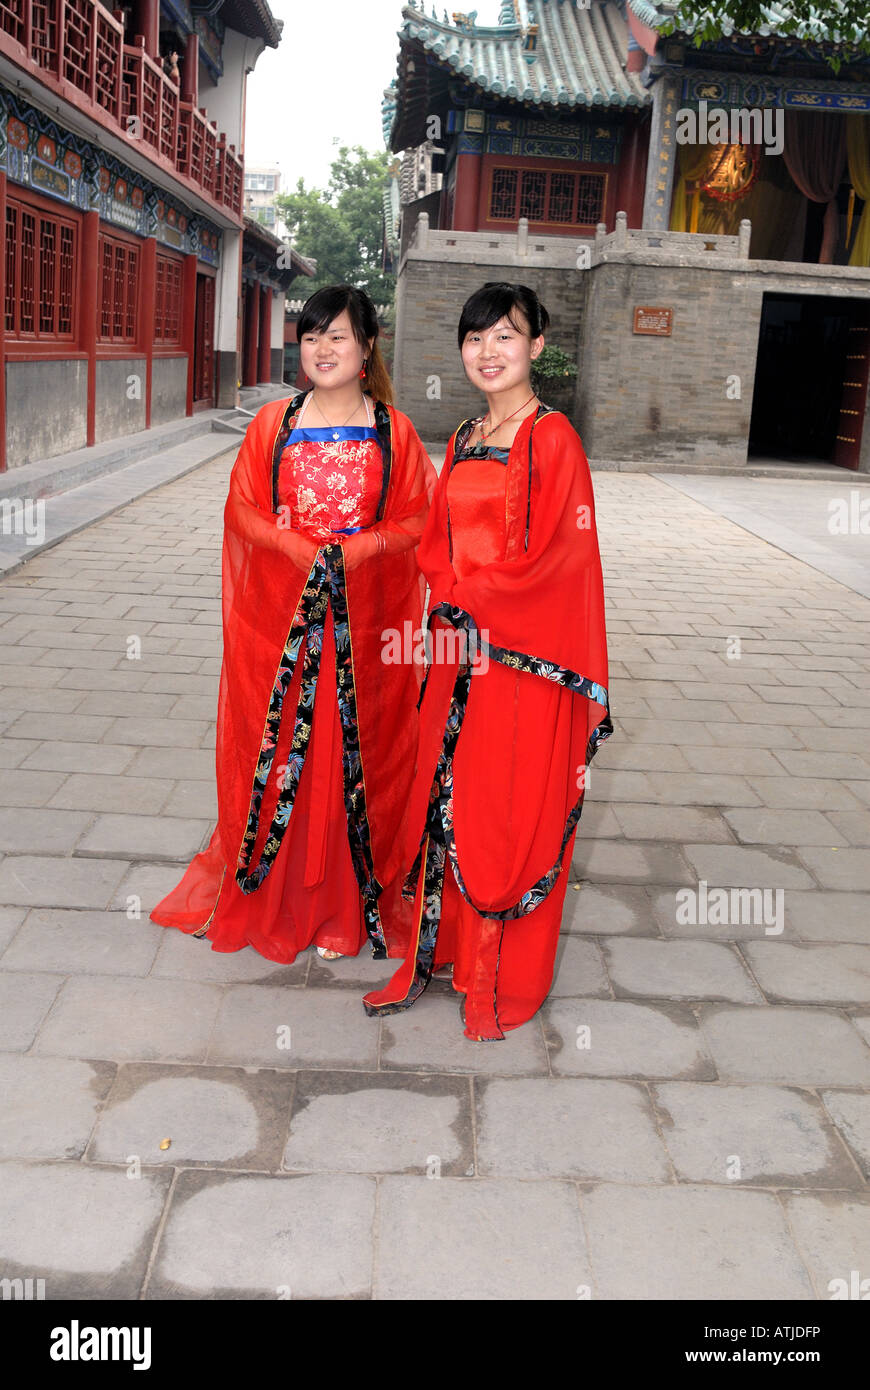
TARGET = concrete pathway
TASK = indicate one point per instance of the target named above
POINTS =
(688, 1117)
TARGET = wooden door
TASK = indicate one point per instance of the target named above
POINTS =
(853, 401)
(203, 355)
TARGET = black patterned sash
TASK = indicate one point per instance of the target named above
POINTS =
(437, 843)
(325, 589)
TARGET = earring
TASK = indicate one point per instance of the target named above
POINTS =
(362, 370)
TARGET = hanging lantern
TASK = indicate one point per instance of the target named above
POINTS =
(733, 174)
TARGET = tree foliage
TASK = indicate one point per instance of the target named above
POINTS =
(342, 225)
(841, 22)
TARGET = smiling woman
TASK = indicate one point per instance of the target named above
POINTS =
(511, 555)
(316, 734)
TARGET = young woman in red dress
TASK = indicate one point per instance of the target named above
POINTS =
(316, 735)
(510, 721)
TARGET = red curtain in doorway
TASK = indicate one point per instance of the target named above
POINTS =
(814, 151)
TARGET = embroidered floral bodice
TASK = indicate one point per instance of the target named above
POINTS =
(331, 479)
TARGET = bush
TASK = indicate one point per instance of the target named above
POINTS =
(552, 368)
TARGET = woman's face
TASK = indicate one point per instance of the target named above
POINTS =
(499, 358)
(334, 357)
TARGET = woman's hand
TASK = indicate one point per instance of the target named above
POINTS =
(359, 548)
(299, 549)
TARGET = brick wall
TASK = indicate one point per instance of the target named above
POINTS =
(639, 400)
(429, 301)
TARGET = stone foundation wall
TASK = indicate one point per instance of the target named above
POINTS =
(682, 400)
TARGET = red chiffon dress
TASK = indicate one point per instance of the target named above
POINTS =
(508, 725)
(326, 484)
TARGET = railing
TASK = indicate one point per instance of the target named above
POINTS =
(81, 45)
(625, 238)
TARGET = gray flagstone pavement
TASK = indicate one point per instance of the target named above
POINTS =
(689, 1115)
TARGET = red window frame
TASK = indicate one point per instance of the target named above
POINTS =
(169, 302)
(119, 266)
(42, 249)
(543, 190)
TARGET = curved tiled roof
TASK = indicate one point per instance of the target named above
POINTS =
(578, 58)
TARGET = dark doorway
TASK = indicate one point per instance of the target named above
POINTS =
(810, 379)
(203, 345)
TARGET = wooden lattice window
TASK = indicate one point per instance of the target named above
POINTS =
(12, 19)
(119, 290)
(168, 308)
(77, 42)
(547, 197)
(40, 260)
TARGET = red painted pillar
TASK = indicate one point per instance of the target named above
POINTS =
(146, 21)
(264, 362)
(190, 70)
(147, 307)
(90, 281)
(252, 327)
(466, 196)
(3, 328)
(632, 175)
(188, 322)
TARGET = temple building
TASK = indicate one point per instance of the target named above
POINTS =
(121, 197)
(695, 218)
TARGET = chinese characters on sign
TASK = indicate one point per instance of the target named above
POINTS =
(657, 321)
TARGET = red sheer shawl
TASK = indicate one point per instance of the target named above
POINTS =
(264, 571)
(519, 768)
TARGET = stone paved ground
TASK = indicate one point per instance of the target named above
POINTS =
(687, 1118)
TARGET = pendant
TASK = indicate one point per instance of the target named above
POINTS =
(335, 434)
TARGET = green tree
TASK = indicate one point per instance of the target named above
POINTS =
(841, 22)
(342, 225)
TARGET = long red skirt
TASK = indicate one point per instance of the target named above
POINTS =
(311, 896)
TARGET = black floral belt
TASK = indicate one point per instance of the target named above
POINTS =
(437, 842)
(325, 589)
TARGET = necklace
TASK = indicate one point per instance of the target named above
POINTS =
(336, 428)
(496, 428)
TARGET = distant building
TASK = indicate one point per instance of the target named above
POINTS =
(121, 195)
(262, 186)
(715, 292)
(269, 266)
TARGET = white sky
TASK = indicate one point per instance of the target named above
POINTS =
(325, 80)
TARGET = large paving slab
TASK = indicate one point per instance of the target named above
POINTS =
(832, 1233)
(29, 880)
(88, 1232)
(83, 943)
(306, 1237)
(130, 1020)
(808, 1047)
(220, 1117)
(259, 1026)
(678, 970)
(850, 1111)
(753, 1134)
(450, 1239)
(568, 1128)
(381, 1122)
(811, 972)
(50, 1105)
(695, 1243)
(603, 1037)
(430, 1037)
(25, 1000)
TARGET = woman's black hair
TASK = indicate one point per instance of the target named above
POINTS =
(325, 305)
(497, 300)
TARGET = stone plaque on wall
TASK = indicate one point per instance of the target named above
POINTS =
(658, 322)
